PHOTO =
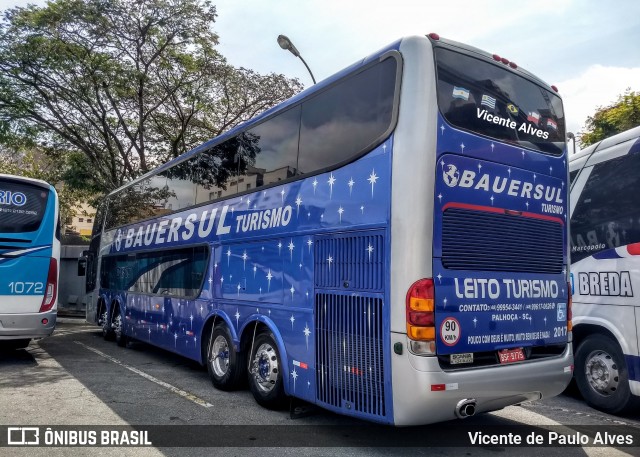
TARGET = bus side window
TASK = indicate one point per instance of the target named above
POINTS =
(82, 266)
(607, 214)
(573, 175)
(177, 272)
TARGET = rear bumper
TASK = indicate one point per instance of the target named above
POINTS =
(492, 388)
(18, 326)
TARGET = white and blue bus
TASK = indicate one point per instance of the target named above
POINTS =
(29, 258)
(389, 244)
(605, 271)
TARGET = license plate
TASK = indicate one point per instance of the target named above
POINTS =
(461, 358)
(511, 355)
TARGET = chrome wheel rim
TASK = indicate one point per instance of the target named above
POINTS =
(220, 356)
(264, 367)
(105, 321)
(602, 373)
(117, 326)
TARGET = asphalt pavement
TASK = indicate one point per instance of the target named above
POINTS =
(75, 378)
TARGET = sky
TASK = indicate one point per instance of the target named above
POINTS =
(587, 48)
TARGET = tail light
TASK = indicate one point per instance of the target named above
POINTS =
(421, 328)
(569, 310)
(51, 290)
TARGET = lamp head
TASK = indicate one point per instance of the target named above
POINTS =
(285, 43)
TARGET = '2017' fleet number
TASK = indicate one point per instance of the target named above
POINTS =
(559, 331)
(19, 287)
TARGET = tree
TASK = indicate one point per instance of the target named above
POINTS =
(121, 86)
(31, 163)
(618, 117)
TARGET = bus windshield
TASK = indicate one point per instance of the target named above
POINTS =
(484, 98)
(22, 207)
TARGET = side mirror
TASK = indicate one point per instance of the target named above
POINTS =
(82, 266)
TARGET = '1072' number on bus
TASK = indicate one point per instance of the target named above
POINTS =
(19, 287)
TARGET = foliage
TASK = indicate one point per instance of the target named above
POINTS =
(618, 117)
(31, 164)
(121, 86)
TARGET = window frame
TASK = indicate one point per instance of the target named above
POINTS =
(24, 186)
(199, 289)
(523, 74)
(584, 187)
(392, 54)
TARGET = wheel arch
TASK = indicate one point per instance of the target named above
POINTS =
(586, 328)
(119, 303)
(215, 317)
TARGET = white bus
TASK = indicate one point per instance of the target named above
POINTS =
(29, 259)
(605, 271)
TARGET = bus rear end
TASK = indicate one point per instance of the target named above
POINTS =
(487, 310)
(29, 260)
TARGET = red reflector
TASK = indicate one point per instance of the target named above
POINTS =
(513, 65)
(421, 318)
(554, 88)
(437, 387)
(422, 288)
(504, 61)
(51, 289)
(45, 321)
(513, 212)
(496, 57)
(434, 36)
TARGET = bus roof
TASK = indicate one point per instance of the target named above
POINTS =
(493, 57)
(35, 182)
(606, 144)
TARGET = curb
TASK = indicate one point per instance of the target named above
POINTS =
(71, 320)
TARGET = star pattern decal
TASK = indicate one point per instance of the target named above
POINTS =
(331, 182)
(295, 279)
(373, 179)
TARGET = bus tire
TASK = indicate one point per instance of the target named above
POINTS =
(602, 375)
(265, 372)
(107, 330)
(226, 366)
(118, 329)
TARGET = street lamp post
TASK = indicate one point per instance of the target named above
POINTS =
(572, 137)
(285, 43)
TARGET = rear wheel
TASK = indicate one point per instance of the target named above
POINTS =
(118, 330)
(107, 330)
(602, 376)
(226, 366)
(265, 373)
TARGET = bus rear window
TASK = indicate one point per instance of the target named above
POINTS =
(21, 206)
(486, 98)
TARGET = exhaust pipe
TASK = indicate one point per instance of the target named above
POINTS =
(466, 408)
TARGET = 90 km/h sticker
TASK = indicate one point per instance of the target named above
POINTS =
(450, 331)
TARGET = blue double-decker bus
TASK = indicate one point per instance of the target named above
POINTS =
(389, 244)
(29, 258)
